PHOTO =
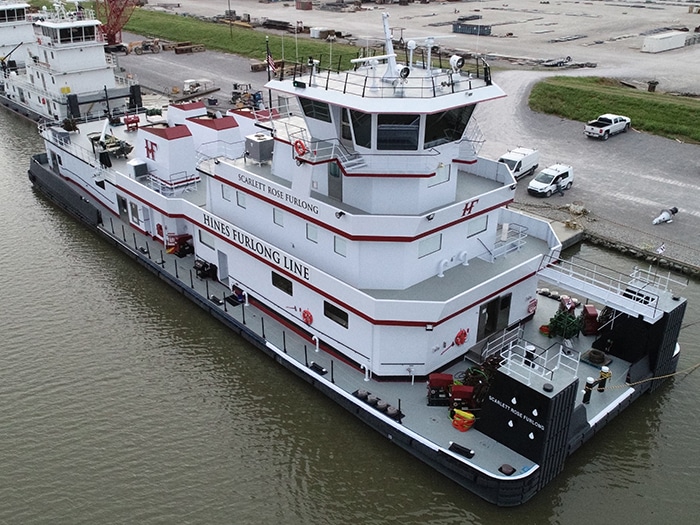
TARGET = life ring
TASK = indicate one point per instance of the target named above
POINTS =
(159, 230)
(307, 317)
(461, 337)
(300, 148)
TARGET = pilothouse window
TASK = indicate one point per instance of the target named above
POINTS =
(397, 132)
(362, 128)
(315, 109)
(12, 15)
(447, 126)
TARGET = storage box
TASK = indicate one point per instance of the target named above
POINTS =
(440, 380)
(461, 396)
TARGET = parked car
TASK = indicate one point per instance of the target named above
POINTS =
(521, 161)
(551, 179)
(607, 125)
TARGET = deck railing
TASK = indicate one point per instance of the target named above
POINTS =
(368, 83)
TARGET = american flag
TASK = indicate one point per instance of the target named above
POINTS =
(270, 61)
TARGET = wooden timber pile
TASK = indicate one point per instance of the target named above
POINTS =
(187, 47)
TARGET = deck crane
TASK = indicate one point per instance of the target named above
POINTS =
(114, 14)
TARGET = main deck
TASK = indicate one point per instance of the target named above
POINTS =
(430, 424)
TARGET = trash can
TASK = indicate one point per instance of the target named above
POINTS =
(652, 86)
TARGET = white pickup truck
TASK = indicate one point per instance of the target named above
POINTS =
(607, 125)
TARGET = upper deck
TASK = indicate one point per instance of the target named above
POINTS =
(382, 83)
(63, 27)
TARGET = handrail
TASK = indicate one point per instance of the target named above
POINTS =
(367, 83)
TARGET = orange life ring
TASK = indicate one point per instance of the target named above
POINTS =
(300, 148)
(307, 317)
(461, 337)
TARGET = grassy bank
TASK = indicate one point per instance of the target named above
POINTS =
(584, 98)
(245, 42)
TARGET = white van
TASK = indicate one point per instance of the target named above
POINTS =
(521, 161)
(551, 180)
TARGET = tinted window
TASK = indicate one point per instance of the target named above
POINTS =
(398, 132)
(316, 110)
(447, 126)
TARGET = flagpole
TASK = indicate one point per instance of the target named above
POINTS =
(270, 62)
(267, 56)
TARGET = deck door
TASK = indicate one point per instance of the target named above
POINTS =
(493, 316)
(223, 266)
(335, 182)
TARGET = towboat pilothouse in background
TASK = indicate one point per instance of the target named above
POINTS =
(352, 232)
(61, 71)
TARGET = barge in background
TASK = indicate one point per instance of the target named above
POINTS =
(353, 233)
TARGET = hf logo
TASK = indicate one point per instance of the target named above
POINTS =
(151, 148)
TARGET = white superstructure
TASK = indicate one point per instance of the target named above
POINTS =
(357, 207)
(15, 31)
(62, 70)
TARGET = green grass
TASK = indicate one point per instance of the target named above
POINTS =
(245, 42)
(584, 98)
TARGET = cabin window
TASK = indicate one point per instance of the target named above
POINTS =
(335, 314)
(362, 127)
(429, 245)
(282, 283)
(315, 109)
(12, 15)
(340, 246)
(206, 238)
(447, 126)
(477, 225)
(226, 192)
(397, 132)
(312, 232)
(240, 199)
(134, 213)
(278, 217)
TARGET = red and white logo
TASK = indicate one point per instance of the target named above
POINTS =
(151, 148)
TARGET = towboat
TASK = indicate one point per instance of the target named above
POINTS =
(351, 231)
(57, 69)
